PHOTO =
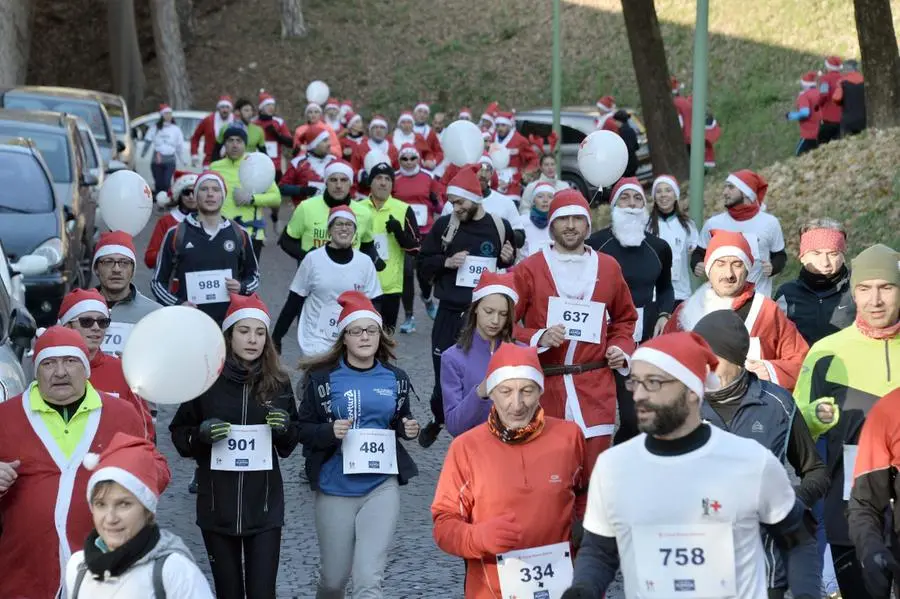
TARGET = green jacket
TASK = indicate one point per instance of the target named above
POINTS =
(386, 244)
(249, 215)
(256, 138)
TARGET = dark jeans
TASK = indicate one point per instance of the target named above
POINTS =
(259, 570)
(444, 333)
(806, 145)
(162, 173)
(409, 285)
(829, 132)
(257, 248)
(389, 308)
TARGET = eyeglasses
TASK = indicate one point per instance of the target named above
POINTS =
(110, 262)
(651, 385)
(371, 331)
(86, 322)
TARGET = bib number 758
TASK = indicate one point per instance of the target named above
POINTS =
(683, 556)
(536, 573)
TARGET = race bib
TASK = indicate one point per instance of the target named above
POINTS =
(328, 320)
(115, 336)
(272, 149)
(639, 326)
(370, 451)
(540, 572)
(246, 448)
(421, 212)
(583, 319)
(381, 245)
(850, 452)
(691, 561)
(755, 351)
(207, 286)
(469, 273)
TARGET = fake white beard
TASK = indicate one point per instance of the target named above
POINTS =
(410, 172)
(629, 225)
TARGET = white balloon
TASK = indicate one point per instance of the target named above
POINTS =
(126, 202)
(257, 172)
(173, 355)
(602, 158)
(462, 143)
(317, 92)
(499, 156)
(375, 157)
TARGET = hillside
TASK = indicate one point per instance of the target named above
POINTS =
(388, 55)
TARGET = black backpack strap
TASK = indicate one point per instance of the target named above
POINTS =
(159, 588)
(79, 578)
(177, 242)
(449, 232)
(243, 238)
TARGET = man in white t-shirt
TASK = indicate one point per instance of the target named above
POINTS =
(324, 274)
(745, 212)
(681, 505)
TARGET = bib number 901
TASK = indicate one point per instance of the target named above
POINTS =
(241, 444)
(683, 556)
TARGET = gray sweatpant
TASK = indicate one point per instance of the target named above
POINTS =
(355, 534)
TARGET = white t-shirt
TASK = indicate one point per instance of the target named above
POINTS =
(498, 204)
(730, 481)
(763, 233)
(321, 280)
(536, 239)
(167, 141)
(682, 243)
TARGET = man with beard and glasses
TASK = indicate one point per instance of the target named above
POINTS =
(457, 249)
(575, 303)
(776, 347)
(744, 194)
(690, 522)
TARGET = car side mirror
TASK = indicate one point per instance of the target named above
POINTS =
(31, 265)
(89, 180)
(22, 328)
(120, 145)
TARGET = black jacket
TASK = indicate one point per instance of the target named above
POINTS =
(818, 307)
(317, 424)
(235, 503)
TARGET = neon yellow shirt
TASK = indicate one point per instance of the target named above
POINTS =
(66, 434)
(309, 223)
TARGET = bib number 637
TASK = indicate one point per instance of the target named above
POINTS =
(573, 316)
(683, 556)
(536, 573)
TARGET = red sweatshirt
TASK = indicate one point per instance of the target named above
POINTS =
(107, 376)
(168, 220)
(416, 190)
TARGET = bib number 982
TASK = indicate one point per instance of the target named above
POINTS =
(683, 556)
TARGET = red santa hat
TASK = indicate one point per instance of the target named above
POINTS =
(675, 85)
(353, 117)
(685, 356)
(423, 106)
(132, 462)
(265, 99)
(79, 301)
(378, 120)
(165, 109)
(623, 184)
(543, 187)
(346, 104)
(727, 244)
(751, 184)
(809, 79)
(834, 63)
(494, 282)
(512, 361)
(606, 104)
(332, 103)
(245, 306)
(114, 242)
(339, 167)
(407, 149)
(211, 176)
(406, 116)
(668, 180)
(569, 202)
(183, 180)
(225, 101)
(506, 118)
(355, 306)
(58, 342)
(490, 113)
(465, 113)
(314, 135)
(341, 211)
(465, 184)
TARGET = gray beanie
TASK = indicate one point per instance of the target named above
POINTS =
(876, 262)
(726, 335)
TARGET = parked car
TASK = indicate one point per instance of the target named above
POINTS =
(78, 102)
(576, 123)
(121, 124)
(17, 327)
(187, 120)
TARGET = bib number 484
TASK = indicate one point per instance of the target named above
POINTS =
(371, 447)
(682, 556)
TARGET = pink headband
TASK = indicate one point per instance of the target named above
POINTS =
(823, 239)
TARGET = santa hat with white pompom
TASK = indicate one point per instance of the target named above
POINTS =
(132, 462)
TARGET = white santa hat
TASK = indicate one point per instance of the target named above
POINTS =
(606, 104)
(465, 184)
(132, 462)
(543, 187)
(512, 361)
(264, 99)
(809, 80)
(352, 117)
(311, 106)
(378, 120)
(569, 202)
(58, 342)
(79, 301)
(339, 167)
(727, 244)
(406, 116)
(340, 211)
(423, 106)
(506, 118)
(751, 184)
(668, 180)
(245, 306)
(184, 180)
(332, 103)
(114, 242)
(834, 63)
(355, 306)
(685, 356)
(211, 176)
(465, 113)
(626, 183)
(224, 102)
(408, 149)
(493, 282)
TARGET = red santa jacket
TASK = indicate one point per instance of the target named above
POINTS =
(107, 376)
(49, 496)
(774, 339)
(712, 134)
(432, 143)
(417, 190)
(275, 131)
(333, 140)
(206, 131)
(588, 398)
(357, 161)
(306, 171)
(810, 99)
(168, 220)
(684, 108)
(522, 156)
(831, 110)
(348, 145)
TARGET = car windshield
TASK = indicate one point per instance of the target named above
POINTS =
(89, 110)
(116, 117)
(52, 145)
(23, 185)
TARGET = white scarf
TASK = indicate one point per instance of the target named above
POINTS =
(381, 146)
(629, 225)
(401, 138)
(424, 130)
(410, 172)
(218, 123)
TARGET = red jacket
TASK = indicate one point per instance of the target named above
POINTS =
(713, 133)
(276, 132)
(684, 107)
(417, 191)
(809, 127)
(206, 131)
(357, 161)
(521, 153)
(107, 376)
(348, 145)
(432, 143)
(831, 110)
(166, 222)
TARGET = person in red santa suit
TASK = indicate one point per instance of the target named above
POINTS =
(404, 134)
(684, 107)
(522, 157)
(607, 107)
(808, 114)
(278, 136)
(377, 141)
(711, 134)
(830, 127)
(352, 134)
(313, 115)
(488, 117)
(777, 348)
(208, 130)
(421, 113)
(574, 302)
(306, 174)
(465, 114)
(333, 116)
(45, 434)
(181, 203)
(87, 313)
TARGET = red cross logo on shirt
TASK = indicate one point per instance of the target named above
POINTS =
(716, 506)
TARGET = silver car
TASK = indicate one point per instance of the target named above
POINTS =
(187, 121)
(17, 327)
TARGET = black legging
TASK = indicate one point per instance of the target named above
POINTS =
(444, 333)
(389, 308)
(409, 286)
(627, 416)
(259, 570)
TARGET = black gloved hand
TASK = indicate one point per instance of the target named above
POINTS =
(213, 430)
(278, 419)
(393, 225)
(878, 570)
(578, 592)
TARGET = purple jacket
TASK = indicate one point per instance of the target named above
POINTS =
(461, 373)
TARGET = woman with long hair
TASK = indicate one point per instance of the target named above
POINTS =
(537, 221)
(489, 322)
(355, 406)
(669, 222)
(236, 431)
(167, 141)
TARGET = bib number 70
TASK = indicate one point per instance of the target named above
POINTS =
(573, 316)
(683, 556)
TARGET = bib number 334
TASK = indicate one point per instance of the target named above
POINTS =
(540, 572)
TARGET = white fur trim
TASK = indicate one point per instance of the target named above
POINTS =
(464, 194)
(210, 176)
(378, 121)
(346, 214)
(90, 461)
(807, 84)
(465, 114)
(745, 189)
(422, 106)
(81, 307)
(487, 117)
(491, 289)
(502, 120)
(266, 102)
(356, 117)
(669, 364)
(246, 313)
(323, 136)
(144, 494)
(339, 168)
(358, 315)
(571, 210)
(831, 67)
(522, 371)
(106, 250)
(625, 187)
(727, 250)
(405, 117)
(166, 110)
(670, 181)
(64, 351)
(411, 150)
(312, 105)
(224, 103)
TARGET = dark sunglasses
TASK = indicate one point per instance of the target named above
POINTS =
(408, 159)
(86, 322)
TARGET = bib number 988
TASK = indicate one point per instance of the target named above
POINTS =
(213, 284)
(477, 269)
(683, 556)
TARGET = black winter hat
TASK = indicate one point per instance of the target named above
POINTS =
(382, 168)
(235, 130)
(726, 335)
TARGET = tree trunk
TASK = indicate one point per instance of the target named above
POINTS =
(15, 40)
(125, 53)
(648, 54)
(880, 62)
(170, 54)
(292, 21)
(186, 20)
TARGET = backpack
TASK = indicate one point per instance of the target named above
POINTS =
(178, 242)
(453, 228)
(159, 589)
